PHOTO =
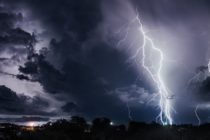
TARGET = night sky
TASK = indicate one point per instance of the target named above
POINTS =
(60, 58)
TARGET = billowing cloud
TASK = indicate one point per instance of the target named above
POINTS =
(74, 59)
(14, 104)
(136, 96)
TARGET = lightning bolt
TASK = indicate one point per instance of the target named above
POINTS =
(209, 66)
(197, 78)
(164, 101)
(129, 112)
(200, 76)
(196, 114)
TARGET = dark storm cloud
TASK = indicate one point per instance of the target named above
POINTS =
(68, 107)
(8, 20)
(83, 81)
(14, 41)
(23, 119)
(200, 84)
(87, 66)
(80, 65)
(205, 87)
(11, 103)
(9, 34)
(75, 16)
(16, 36)
(201, 69)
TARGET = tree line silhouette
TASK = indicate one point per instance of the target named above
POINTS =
(103, 129)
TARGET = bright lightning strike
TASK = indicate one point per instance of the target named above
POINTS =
(164, 102)
(196, 114)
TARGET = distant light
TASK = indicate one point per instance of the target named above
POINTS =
(111, 123)
(31, 124)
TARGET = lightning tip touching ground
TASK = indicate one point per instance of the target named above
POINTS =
(196, 114)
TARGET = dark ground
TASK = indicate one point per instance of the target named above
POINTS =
(101, 129)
